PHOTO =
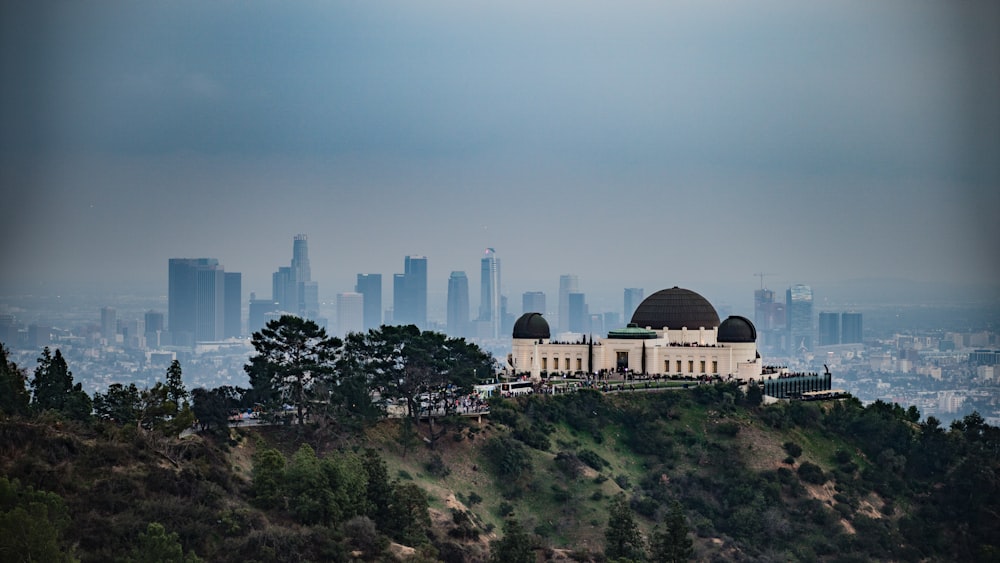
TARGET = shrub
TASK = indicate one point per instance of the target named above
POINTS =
(811, 473)
(435, 466)
(592, 459)
(792, 448)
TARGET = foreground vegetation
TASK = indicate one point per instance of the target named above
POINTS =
(704, 473)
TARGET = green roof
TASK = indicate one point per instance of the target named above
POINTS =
(632, 332)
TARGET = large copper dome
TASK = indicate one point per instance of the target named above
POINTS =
(676, 308)
(531, 326)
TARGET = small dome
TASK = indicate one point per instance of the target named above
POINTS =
(675, 308)
(737, 329)
(531, 326)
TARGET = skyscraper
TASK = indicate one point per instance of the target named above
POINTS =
(350, 313)
(489, 294)
(458, 304)
(196, 300)
(568, 283)
(109, 324)
(798, 311)
(633, 296)
(292, 286)
(850, 328)
(533, 302)
(829, 329)
(579, 317)
(233, 305)
(370, 286)
(409, 293)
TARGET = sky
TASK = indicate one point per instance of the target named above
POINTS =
(635, 144)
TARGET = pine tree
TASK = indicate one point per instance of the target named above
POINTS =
(14, 396)
(514, 546)
(672, 544)
(176, 392)
(53, 389)
(623, 540)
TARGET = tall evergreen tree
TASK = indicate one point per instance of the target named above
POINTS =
(53, 388)
(623, 540)
(14, 397)
(672, 544)
(294, 359)
(176, 392)
(514, 546)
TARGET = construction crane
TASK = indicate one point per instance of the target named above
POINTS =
(761, 276)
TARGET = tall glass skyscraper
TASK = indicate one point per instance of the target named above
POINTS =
(568, 283)
(292, 287)
(458, 304)
(409, 293)
(533, 302)
(370, 286)
(798, 312)
(829, 329)
(196, 300)
(633, 296)
(850, 328)
(489, 294)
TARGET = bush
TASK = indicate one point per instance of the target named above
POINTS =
(792, 448)
(592, 459)
(811, 473)
(729, 428)
(435, 466)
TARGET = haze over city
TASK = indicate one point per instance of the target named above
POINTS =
(644, 144)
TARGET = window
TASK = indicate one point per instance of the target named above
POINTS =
(678, 366)
(702, 366)
(690, 366)
(545, 363)
(579, 364)
(715, 366)
(567, 364)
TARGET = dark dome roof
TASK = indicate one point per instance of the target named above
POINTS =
(675, 308)
(531, 325)
(737, 329)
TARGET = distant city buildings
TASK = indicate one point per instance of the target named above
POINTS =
(533, 302)
(409, 293)
(370, 287)
(568, 283)
(799, 315)
(458, 304)
(633, 296)
(292, 288)
(196, 301)
(489, 302)
(350, 313)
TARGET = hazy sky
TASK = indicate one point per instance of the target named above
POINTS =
(643, 144)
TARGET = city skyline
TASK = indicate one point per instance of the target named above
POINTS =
(633, 145)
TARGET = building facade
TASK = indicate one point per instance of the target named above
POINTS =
(370, 286)
(409, 293)
(458, 305)
(672, 332)
(489, 293)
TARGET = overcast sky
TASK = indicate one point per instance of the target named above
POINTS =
(644, 144)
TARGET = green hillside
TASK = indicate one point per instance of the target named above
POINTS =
(826, 481)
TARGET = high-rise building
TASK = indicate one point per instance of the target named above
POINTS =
(259, 309)
(370, 286)
(798, 312)
(109, 324)
(458, 304)
(196, 300)
(633, 296)
(568, 283)
(850, 328)
(292, 287)
(577, 312)
(409, 293)
(829, 329)
(233, 306)
(533, 302)
(489, 294)
(350, 313)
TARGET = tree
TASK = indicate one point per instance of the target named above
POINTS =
(120, 403)
(31, 524)
(52, 388)
(176, 392)
(14, 397)
(157, 546)
(514, 546)
(210, 408)
(426, 370)
(268, 478)
(623, 540)
(672, 544)
(294, 358)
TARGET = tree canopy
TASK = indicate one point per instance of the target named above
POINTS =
(294, 363)
(53, 389)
